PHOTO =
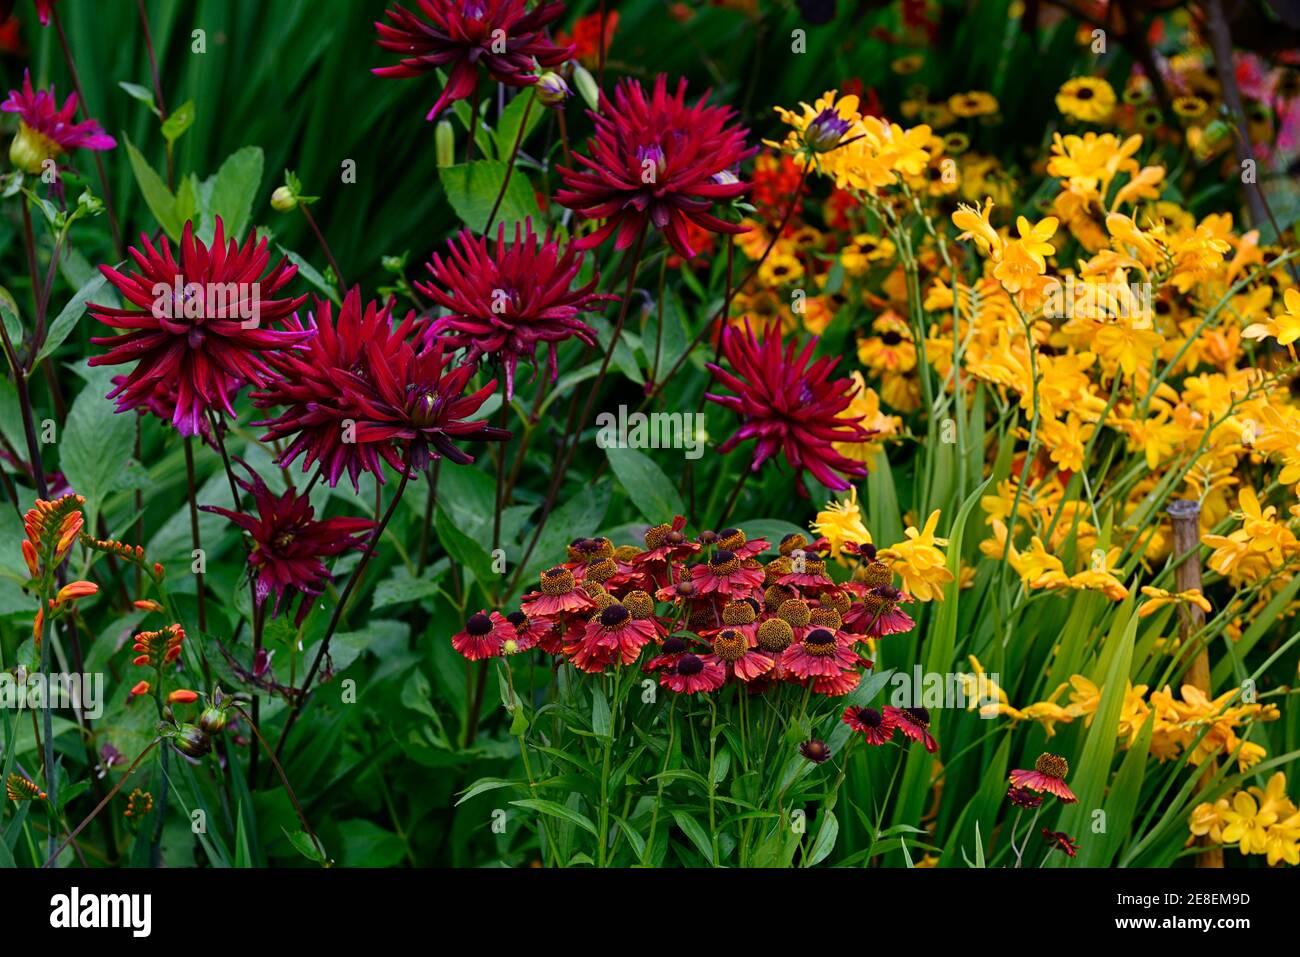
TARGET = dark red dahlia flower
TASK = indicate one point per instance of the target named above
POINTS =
(47, 132)
(788, 405)
(289, 542)
(507, 38)
(197, 325)
(418, 404)
(507, 302)
(654, 160)
(316, 386)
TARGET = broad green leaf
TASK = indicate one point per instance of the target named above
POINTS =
(66, 320)
(472, 188)
(233, 191)
(157, 196)
(650, 490)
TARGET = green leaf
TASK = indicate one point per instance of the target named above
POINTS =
(233, 191)
(177, 123)
(157, 196)
(692, 829)
(96, 444)
(651, 491)
(552, 809)
(464, 550)
(825, 840)
(66, 320)
(472, 188)
(306, 846)
(600, 717)
(511, 117)
(143, 94)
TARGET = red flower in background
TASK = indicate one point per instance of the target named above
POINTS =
(484, 636)
(44, 8)
(289, 543)
(586, 40)
(507, 302)
(1048, 776)
(788, 403)
(503, 36)
(656, 162)
(196, 326)
(46, 130)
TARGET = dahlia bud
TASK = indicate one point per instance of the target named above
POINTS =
(552, 90)
(826, 130)
(191, 741)
(444, 144)
(283, 200)
(213, 720)
(30, 149)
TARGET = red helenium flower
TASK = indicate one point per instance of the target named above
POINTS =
(507, 302)
(47, 131)
(656, 161)
(289, 542)
(504, 36)
(197, 325)
(788, 405)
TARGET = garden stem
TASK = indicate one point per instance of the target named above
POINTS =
(510, 163)
(558, 479)
(1185, 516)
(325, 247)
(194, 532)
(353, 579)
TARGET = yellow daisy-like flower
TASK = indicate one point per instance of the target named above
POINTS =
(1086, 98)
(974, 103)
(1190, 107)
(918, 561)
(840, 523)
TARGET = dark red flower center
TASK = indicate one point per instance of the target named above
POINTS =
(690, 665)
(478, 624)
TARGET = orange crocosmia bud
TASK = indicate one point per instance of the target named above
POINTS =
(141, 687)
(147, 604)
(29, 556)
(38, 625)
(158, 571)
(182, 696)
(140, 659)
(75, 590)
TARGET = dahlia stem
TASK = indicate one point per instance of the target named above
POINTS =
(564, 137)
(99, 160)
(284, 779)
(47, 717)
(745, 472)
(298, 699)
(157, 86)
(726, 304)
(320, 238)
(501, 488)
(194, 528)
(600, 52)
(510, 163)
(430, 501)
(25, 406)
(50, 859)
(558, 479)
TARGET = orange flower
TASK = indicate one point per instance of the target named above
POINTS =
(182, 696)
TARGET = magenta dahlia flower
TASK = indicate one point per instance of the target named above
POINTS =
(314, 386)
(289, 543)
(788, 405)
(504, 36)
(507, 302)
(46, 131)
(654, 159)
(196, 325)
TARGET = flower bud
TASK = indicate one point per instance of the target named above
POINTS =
(191, 741)
(30, 149)
(283, 200)
(552, 90)
(444, 144)
(213, 720)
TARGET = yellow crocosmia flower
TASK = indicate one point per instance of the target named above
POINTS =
(1145, 185)
(1089, 162)
(1124, 233)
(976, 226)
(1207, 820)
(812, 131)
(1066, 440)
(1038, 568)
(1159, 598)
(840, 523)
(919, 562)
(1246, 825)
(864, 407)
(1284, 327)
(1024, 259)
